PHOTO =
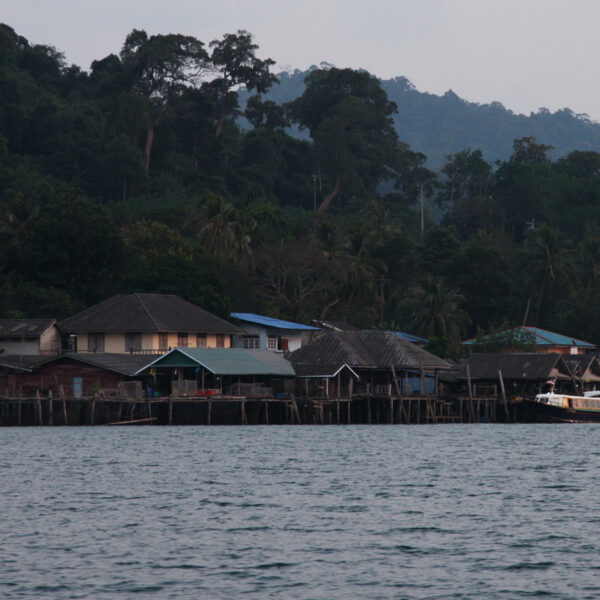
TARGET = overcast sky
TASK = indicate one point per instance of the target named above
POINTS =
(526, 54)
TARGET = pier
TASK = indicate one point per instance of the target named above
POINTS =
(236, 410)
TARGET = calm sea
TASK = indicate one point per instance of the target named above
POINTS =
(450, 511)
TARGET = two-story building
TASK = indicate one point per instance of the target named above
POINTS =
(145, 324)
(267, 333)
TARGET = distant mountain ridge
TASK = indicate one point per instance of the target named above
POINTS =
(441, 125)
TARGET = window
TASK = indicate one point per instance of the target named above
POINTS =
(201, 340)
(251, 341)
(163, 341)
(133, 342)
(220, 340)
(95, 342)
(272, 342)
(182, 340)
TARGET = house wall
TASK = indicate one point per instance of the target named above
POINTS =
(60, 372)
(294, 338)
(28, 346)
(115, 342)
(50, 341)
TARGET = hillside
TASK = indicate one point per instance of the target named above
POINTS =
(442, 125)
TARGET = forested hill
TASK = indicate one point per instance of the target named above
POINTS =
(439, 126)
(137, 177)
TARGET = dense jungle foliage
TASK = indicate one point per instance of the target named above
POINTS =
(135, 176)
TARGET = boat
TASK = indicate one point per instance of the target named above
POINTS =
(552, 407)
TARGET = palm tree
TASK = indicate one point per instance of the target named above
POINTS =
(437, 312)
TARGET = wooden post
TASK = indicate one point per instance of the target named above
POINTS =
(50, 409)
(501, 379)
(327, 387)
(422, 382)
(369, 411)
(93, 410)
(170, 412)
(266, 412)
(351, 384)
(469, 387)
(209, 414)
(395, 380)
(39, 407)
(295, 407)
(391, 411)
(349, 414)
(19, 412)
(337, 407)
(64, 403)
(244, 417)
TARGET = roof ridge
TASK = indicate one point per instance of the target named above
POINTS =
(146, 310)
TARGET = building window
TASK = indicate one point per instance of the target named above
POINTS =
(201, 340)
(251, 341)
(272, 342)
(182, 340)
(163, 341)
(95, 342)
(133, 342)
(220, 340)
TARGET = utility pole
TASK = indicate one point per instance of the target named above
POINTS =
(422, 202)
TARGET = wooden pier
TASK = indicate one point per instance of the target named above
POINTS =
(235, 410)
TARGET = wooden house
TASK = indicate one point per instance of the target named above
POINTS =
(74, 375)
(145, 324)
(344, 363)
(267, 333)
(585, 369)
(231, 371)
(532, 338)
(29, 337)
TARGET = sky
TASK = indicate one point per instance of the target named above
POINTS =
(526, 54)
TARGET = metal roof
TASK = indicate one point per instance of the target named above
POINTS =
(24, 328)
(124, 364)
(517, 366)
(540, 337)
(226, 361)
(271, 322)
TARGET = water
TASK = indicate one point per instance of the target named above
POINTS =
(451, 511)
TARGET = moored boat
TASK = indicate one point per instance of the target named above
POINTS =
(564, 408)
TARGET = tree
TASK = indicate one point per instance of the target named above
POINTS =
(349, 118)
(159, 68)
(234, 59)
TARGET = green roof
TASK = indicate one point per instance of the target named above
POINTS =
(226, 361)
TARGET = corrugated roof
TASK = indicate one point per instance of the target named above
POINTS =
(146, 312)
(28, 328)
(20, 362)
(360, 350)
(541, 337)
(229, 361)
(125, 364)
(271, 322)
(524, 366)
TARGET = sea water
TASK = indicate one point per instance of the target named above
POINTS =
(326, 512)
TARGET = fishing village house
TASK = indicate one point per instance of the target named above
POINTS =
(267, 333)
(29, 337)
(520, 374)
(145, 324)
(534, 338)
(372, 363)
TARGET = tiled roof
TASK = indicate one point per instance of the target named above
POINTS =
(28, 328)
(227, 361)
(540, 337)
(362, 349)
(146, 312)
(125, 364)
(271, 322)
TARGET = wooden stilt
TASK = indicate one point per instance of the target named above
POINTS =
(368, 411)
(208, 416)
(295, 407)
(349, 414)
(170, 412)
(503, 390)
(244, 417)
(39, 407)
(337, 407)
(266, 412)
(50, 407)
(93, 411)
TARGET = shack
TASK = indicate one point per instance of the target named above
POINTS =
(220, 371)
(341, 364)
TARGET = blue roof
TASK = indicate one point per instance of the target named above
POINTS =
(271, 322)
(541, 337)
(409, 337)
